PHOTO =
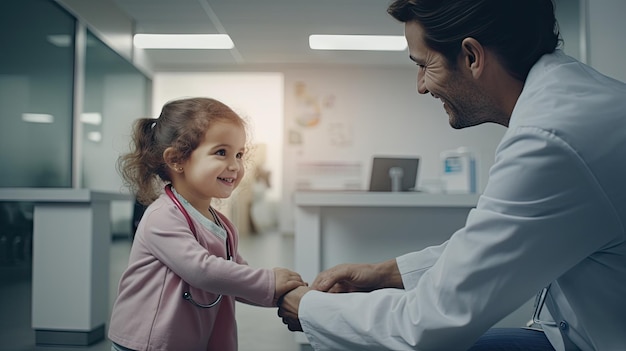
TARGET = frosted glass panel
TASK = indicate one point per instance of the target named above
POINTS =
(36, 78)
(115, 94)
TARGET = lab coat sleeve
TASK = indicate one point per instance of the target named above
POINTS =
(530, 226)
(413, 265)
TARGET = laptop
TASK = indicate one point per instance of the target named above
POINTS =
(380, 179)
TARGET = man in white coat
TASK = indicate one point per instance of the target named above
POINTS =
(551, 219)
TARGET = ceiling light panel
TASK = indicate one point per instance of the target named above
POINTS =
(183, 41)
(358, 42)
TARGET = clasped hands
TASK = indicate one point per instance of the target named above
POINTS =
(339, 279)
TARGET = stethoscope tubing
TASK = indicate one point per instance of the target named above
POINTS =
(187, 295)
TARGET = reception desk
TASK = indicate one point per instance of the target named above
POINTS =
(71, 244)
(366, 227)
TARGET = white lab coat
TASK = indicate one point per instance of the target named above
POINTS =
(553, 211)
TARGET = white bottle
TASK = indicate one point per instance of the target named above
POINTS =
(458, 171)
(396, 173)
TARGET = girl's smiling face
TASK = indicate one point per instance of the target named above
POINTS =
(215, 168)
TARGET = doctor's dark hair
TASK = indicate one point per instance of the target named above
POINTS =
(518, 31)
(181, 125)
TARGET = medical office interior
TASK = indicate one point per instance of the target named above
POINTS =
(72, 82)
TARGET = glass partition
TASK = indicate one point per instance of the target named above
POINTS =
(115, 95)
(37, 102)
(36, 87)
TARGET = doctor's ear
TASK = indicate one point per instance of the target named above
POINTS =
(473, 56)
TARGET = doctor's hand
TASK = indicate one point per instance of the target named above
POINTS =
(289, 305)
(359, 277)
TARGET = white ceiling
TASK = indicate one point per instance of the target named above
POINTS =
(265, 32)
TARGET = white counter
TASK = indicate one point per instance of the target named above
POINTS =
(71, 242)
(383, 199)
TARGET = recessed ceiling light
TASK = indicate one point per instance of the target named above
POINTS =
(183, 41)
(358, 42)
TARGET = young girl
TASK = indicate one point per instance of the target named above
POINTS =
(184, 272)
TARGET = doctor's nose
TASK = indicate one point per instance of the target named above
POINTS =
(421, 86)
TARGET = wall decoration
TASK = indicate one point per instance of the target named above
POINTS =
(308, 108)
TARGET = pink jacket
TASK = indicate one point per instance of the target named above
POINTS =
(150, 312)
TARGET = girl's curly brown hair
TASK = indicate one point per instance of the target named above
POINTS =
(181, 125)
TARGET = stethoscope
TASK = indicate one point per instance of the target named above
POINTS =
(187, 295)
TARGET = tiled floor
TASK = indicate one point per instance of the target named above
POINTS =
(259, 328)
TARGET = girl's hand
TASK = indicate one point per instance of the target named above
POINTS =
(286, 280)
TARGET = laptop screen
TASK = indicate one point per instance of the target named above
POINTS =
(381, 180)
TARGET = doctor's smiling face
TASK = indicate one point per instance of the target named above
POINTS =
(451, 82)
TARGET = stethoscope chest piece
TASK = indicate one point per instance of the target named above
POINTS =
(187, 296)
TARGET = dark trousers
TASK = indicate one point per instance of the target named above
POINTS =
(512, 339)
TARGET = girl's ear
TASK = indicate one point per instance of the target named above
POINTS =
(171, 159)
